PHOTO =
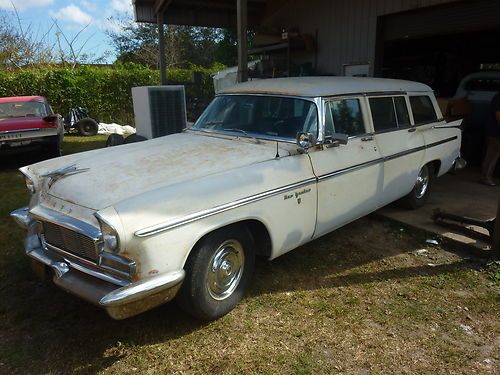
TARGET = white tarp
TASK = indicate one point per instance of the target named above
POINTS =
(115, 129)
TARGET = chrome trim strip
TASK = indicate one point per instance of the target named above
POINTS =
(222, 208)
(350, 169)
(68, 222)
(20, 131)
(149, 231)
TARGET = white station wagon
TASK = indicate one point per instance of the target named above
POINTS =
(269, 166)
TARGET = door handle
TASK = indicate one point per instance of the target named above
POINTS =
(367, 139)
(411, 130)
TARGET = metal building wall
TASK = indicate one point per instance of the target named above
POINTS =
(347, 28)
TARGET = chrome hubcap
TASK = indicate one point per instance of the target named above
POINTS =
(422, 183)
(225, 269)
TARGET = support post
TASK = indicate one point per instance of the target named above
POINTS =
(496, 233)
(242, 15)
(161, 48)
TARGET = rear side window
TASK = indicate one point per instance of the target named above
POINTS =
(401, 111)
(383, 114)
(344, 116)
(423, 110)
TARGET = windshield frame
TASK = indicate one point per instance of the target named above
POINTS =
(316, 101)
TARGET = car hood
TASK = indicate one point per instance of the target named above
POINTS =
(22, 123)
(106, 176)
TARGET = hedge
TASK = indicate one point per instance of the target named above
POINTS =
(105, 91)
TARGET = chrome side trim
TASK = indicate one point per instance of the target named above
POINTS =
(350, 169)
(46, 214)
(222, 208)
(20, 131)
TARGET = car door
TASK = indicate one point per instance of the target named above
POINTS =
(349, 176)
(401, 145)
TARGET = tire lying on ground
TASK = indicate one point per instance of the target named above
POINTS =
(133, 138)
(114, 140)
(87, 127)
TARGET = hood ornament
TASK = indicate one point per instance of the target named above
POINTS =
(56, 175)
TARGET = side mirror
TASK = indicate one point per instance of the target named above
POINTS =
(305, 140)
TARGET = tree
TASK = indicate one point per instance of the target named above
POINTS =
(185, 45)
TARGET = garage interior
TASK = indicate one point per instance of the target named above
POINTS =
(439, 46)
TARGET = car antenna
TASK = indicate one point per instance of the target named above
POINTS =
(277, 150)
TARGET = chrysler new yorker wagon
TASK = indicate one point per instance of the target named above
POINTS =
(269, 166)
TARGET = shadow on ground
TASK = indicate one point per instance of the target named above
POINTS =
(44, 325)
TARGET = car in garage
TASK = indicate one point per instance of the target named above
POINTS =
(479, 89)
(270, 165)
(27, 121)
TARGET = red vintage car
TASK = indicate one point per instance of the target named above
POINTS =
(30, 121)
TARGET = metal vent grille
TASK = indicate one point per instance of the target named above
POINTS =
(168, 111)
(70, 241)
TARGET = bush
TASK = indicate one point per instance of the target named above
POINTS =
(104, 91)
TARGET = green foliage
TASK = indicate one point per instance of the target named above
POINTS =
(105, 91)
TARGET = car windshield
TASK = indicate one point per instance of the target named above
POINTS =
(23, 109)
(260, 116)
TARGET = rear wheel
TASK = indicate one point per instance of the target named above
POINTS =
(87, 127)
(421, 190)
(217, 273)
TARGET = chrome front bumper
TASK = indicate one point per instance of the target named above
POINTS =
(120, 301)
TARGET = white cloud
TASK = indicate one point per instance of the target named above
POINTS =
(122, 6)
(24, 4)
(88, 5)
(72, 13)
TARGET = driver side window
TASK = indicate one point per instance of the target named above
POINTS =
(344, 116)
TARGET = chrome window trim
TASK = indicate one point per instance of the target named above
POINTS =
(162, 227)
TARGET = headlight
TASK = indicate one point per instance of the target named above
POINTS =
(110, 238)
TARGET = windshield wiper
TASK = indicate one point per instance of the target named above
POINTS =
(243, 132)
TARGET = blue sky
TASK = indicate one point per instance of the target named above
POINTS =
(72, 16)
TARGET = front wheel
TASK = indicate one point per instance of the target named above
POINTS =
(421, 190)
(217, 273)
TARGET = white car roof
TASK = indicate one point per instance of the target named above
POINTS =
(324, 86)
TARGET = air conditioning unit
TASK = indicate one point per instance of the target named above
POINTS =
(159, 110)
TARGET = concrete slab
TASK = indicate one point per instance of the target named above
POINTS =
(459, 194)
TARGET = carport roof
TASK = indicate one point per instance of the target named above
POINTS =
(211, 13)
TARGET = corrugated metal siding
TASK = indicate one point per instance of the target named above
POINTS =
(347, 28)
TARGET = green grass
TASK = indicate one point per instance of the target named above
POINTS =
(355, 301)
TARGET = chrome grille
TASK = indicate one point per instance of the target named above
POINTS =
(70, 241)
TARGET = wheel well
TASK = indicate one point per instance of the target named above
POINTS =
(259, 233)
(436, 165)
